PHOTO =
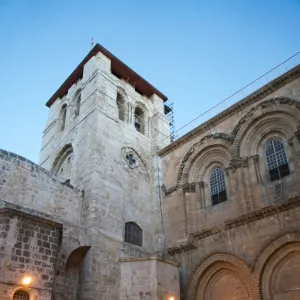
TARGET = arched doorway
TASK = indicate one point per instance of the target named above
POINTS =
(221, 277)
(21, 295)
(281, 276)
(68, 282)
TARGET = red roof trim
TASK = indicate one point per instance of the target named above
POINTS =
(117, 67)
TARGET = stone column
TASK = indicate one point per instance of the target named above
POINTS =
(200, 194)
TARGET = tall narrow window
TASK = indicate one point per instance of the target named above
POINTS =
(63, 116)
(133, 234)
(217, 186)
(276, 160)
(139, 120)
(78, 102)
(20, 295)
(121, 107)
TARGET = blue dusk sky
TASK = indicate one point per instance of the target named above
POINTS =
(195, 52)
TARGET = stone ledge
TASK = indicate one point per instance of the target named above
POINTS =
(187, 246)
(170, 262)
(8, 209)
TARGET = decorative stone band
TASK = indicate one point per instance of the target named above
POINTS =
(232, 223)
(187, 187)
(263, 213)
(186, 246)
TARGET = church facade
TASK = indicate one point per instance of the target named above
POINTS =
(115, 210)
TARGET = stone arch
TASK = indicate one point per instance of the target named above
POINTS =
(271, 125)
(219, 139)
(21, 294)
(69, 272)
(32, 293)
(64, 154)
(206, 160)
(280, 104)
(76, 257)
(265, 257)
(218, 263)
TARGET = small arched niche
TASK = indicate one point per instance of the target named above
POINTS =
(63, 164)
(77, 98)
(63, 116)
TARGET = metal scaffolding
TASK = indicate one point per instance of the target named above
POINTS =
(169, 113)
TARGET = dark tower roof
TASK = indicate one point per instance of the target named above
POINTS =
(117, 67)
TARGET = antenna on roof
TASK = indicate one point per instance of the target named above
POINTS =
(92, 43)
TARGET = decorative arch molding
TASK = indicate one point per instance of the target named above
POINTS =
(61, 156)
(280, 104)
(122, 92)
(218, 139)
(266, 255)
(277, 125)
(144, 106)
(211, 265)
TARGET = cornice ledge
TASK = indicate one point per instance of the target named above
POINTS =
(187, 188)
(183, 247)
(263, 213)
(249, 100)
(199, 235)
(242, 220)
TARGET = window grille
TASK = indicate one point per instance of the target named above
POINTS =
(133, 234)
(20, 295)
(276, 160)
(217, 186)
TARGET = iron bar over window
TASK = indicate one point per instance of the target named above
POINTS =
(217, 186)
(276, 160)
(133, 234)
(20, 295)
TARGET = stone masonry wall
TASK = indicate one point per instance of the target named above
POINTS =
(29, 247)
(26, 184)
(226, 249)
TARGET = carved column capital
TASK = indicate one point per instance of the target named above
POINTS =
(201, 184)
(255, 158)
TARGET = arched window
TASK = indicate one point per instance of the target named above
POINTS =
(139, 122)
(217, 186)
(133, 234)
(78, 102)
(63, 163)
(21, 295)
(63, 116)
(276, 160)
(121, 106)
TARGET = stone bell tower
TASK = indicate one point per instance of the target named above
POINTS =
(105, 126)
